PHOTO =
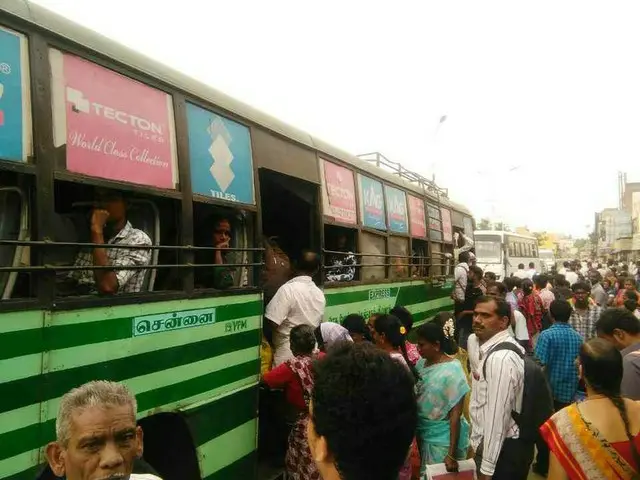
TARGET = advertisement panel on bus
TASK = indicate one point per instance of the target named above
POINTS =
(338, 193)
(112, 127)
(372, 212)
(220, 157)
(15, 109)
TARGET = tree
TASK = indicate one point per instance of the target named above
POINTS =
(499, 226)
(542, 238)
(580, 243)
(484, 224)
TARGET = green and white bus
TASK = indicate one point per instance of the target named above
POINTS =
(79, 112)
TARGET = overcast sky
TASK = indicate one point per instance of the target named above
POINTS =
(542, 98)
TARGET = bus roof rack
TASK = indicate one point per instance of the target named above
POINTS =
(380, 161)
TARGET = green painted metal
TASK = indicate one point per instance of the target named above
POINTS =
(423, 299)
(200, 357)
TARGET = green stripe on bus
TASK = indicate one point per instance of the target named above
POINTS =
(406, 293)
(36, 435)
(57, 337)
(235, 444)
(25, 474)
(244, 468)
(212, 420)
(20, 393)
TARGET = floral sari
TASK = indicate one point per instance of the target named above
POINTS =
(299, 463)
(581, 450)
(440, 388)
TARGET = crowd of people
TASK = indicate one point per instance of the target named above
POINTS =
(519, 368)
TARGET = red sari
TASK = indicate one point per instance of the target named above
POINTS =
(582, 450)
(532, 308)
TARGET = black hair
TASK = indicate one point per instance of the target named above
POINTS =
(433, 332)
(510, 283)
(560, 310)
(602, 369)
(490, 276)
(309, 262)
(477, 271)
(532, 265)
(391, 327)
(566, 264)
(521, 266)
(502, 288)
(355, 323)
(302, 340)
(541, 281)
(618, 318)
(527, 286)
(368, 430)
(630, 304)
(403, 315)
(464, 257)
(581, 286)
(503, 309)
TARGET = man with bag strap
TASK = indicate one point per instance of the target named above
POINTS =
(503, 410)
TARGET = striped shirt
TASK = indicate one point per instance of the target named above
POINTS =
(494, 398)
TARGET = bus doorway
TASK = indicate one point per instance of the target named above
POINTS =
(289, 212)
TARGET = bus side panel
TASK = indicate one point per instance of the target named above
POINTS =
(421, 298)
(170, 354)
(226, 432)
(21, 347)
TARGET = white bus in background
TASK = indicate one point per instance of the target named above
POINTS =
(547, 259)
(499, 252)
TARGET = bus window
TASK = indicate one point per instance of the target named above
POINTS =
(339, 258)
(419, 258)
(14, 225)
(438, 264)
(289, 211)
(512, 249)
(225, 229)
(373, 266)
(399, 267)
(128, 220)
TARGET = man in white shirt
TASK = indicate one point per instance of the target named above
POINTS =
(531, 271)
(521, 272)
(571, 275)
(500, 454)
(297, 302)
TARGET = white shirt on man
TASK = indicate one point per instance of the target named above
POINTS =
(521, 273)
(297, 302)
(461, 275)
(521, 332)
(571, 277)
(493, 401)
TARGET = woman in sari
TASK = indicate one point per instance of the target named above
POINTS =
(390, 335)
(599, 438)
(443, 432)
(295, 376)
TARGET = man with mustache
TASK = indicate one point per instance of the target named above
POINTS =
(497, 390)
(96, 434)
(109, 225)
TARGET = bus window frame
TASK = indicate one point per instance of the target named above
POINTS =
(46, 169)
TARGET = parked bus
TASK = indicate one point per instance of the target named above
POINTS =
(547, 259)
(83, 113)
(499, 251)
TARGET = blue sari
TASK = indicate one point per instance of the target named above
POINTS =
(440, 388)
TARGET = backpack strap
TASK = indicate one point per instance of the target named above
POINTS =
(501, 346)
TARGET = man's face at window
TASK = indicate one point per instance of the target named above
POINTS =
(112, 202)
(103, 443)
(222, 234)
